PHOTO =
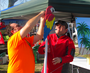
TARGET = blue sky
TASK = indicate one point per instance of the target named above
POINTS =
(80, 20)
(21, 1)
(4, 3)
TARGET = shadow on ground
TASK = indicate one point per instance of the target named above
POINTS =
(37, 72)
(3, 71)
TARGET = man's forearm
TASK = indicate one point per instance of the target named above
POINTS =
(30, 24)
(40, 31)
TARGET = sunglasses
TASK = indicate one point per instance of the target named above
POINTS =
(18, 25)
(14, 28)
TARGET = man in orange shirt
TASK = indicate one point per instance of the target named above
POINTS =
(21, 57)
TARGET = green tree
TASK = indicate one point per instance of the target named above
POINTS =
(85, 41)
(82, 31)
(88, 47)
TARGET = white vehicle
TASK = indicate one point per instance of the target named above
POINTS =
(73, 32)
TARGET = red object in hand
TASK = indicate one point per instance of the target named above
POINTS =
(1, 39)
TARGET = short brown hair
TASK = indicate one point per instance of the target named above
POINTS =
(8, 30)
(62, 23)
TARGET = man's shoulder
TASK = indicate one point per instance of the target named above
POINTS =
(52, 34)
(15, 36)
(67, 37)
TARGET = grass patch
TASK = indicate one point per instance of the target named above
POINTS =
(38, 66)
(3, 67)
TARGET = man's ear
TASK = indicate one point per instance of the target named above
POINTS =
(66, 30)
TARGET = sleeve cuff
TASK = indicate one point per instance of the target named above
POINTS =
(60, 59)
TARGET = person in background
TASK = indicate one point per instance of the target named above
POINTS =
(61, 49)
(21, 57)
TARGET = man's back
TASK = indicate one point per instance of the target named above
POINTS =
(21, 58)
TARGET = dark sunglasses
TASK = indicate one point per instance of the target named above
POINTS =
(18, 25)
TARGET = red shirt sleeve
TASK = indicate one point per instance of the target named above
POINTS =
(70, 51)
(41, 48)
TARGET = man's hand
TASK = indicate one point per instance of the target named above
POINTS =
(56, 60)
(40, 31)
(42, 13)
(42, 19)
(48, 50)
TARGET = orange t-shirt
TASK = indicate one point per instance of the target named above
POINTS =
(21, 57)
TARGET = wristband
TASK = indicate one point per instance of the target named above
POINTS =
(60, 59)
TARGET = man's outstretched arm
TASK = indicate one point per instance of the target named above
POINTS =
(40, 31)
(30, 24)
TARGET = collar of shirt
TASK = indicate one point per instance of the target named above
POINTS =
(60, 36)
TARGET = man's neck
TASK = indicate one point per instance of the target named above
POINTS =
(59, 35)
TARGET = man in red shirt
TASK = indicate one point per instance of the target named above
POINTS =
(61, 49)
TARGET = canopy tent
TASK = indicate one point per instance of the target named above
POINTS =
(65, 10)
(31, 7)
